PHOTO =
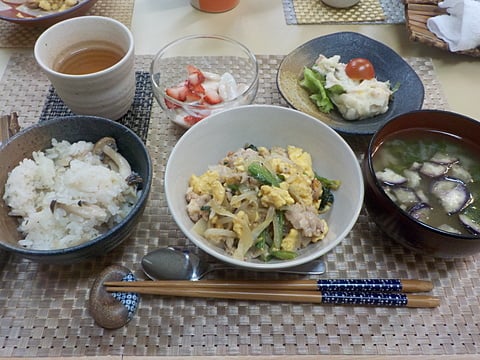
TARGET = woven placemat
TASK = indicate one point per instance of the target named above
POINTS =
(17, 36)
(43, 307)
(298, 12)
(137, 117)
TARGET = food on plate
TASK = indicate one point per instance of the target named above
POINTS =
(201, 90)
(51, 5)
(70, 193)
(360, 69)
(351, 88)
(261, 203)
(433, 177)
(36, 8)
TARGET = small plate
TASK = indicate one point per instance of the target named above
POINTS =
(388, 66)
(15, 11)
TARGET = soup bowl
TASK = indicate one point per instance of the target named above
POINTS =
(400, 224)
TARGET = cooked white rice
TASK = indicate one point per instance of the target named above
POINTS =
(65, 196)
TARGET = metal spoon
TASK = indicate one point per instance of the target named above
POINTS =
(175, 264)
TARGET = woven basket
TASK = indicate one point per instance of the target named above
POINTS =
(417, 12)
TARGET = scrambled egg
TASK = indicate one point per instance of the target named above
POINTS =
(361, 99)
(302, 159)
(275, 196)
(300, 188)
(291, 241)
(208, 184)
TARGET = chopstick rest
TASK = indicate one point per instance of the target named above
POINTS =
(348, 285)
(113, 310)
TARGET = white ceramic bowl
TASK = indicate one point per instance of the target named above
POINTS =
(107, 93)
(264, 125)
(209, 53)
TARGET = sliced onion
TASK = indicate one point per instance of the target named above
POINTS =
(420, 211)
(452, 193)
(413, 178)
(433, 170)
(470, 223)
(448, 228)
(390, 177)
(405, 195)
(445, 159)
(461, 173)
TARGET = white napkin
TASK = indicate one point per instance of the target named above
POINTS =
(460, 28)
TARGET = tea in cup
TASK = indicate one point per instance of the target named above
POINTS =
(90, 62)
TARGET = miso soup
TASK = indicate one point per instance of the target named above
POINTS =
(432, 176)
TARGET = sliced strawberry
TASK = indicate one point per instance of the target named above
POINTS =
(195, 76)
(171, 105)
(212, 97)
(192, 96)
(199, 89)
(192, 120)
(178, 92)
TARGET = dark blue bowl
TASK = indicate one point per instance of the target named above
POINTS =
(73, 128)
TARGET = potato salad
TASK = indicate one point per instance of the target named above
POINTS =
(352, 88)
(261, 203)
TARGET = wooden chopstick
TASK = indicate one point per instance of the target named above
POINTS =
(328, 297)
(350, 285)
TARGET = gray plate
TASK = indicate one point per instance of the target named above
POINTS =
(388, 66)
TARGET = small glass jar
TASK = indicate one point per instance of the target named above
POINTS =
(214, 6)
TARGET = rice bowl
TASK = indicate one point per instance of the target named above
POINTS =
(74, 128)
(66, 195)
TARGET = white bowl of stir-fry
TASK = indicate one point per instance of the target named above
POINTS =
(263, 187)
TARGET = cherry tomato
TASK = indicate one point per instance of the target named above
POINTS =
(360, 69)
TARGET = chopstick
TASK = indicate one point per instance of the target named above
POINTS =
(379, 292)
(349, 285)
(328, 297)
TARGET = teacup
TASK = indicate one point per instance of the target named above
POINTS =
(90, 62)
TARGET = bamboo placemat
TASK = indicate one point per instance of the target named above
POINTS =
(17, 36)
(43, 307)
(302, 12)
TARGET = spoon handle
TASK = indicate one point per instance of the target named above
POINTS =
(316, 267)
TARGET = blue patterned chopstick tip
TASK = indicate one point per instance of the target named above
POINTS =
(364, 298)
(361, 285)
(129, 299)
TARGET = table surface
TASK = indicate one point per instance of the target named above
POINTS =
(155, 23)
(261, 26)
